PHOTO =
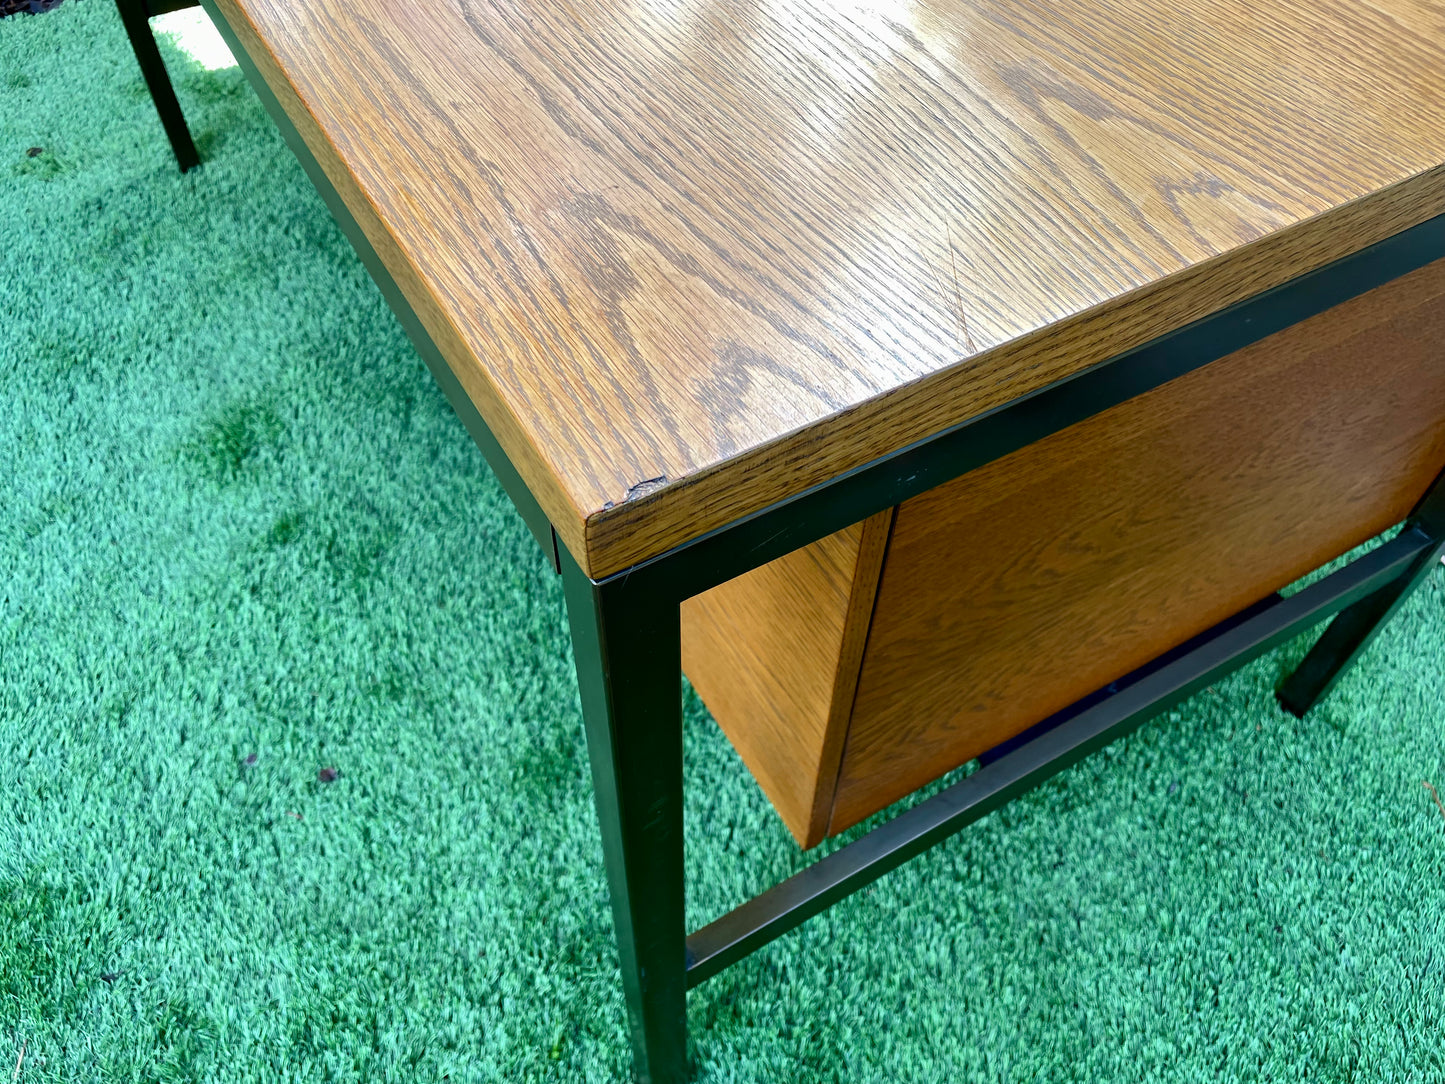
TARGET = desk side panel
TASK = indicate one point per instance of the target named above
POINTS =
(775, 656)
(1027, 584)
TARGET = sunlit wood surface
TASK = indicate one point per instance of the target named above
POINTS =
(690, 257)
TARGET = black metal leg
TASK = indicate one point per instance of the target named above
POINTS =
(1346, 639)
(134, 15)
(629, 663)
(1352, 630)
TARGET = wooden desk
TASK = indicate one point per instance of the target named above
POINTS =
(712, 283)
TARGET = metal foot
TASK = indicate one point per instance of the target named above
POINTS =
(136, 17)
(1352, 630)
(628, 645)
(1346, 639)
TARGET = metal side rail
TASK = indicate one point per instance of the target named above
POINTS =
(1145, 693)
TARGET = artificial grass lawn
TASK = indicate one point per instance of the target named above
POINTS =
(237, 521)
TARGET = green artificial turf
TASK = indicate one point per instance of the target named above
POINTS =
(237, 521)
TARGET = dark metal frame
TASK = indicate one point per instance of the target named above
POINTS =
(136, 16)
(626, 635)
(626, 631)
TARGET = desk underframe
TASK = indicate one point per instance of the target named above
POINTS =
(627, 636)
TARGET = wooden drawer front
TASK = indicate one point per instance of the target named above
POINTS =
(1016, 589)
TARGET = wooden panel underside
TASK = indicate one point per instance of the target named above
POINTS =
(1016, 589)
(775, 655)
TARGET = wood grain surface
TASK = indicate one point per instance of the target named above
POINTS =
(1019, 588)
(775, 655)
(690, 257)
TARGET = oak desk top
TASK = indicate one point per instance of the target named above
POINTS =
(691, 257)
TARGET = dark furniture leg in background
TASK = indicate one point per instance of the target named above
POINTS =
(135, 14)
(1352, 630)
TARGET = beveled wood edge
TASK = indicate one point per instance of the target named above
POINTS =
(568, 521)
(862, 598)
(630, 533)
